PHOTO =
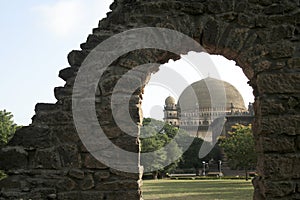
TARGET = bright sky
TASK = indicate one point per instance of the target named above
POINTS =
(36, 37)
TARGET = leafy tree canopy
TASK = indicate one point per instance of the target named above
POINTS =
(155, 135)
(7, 127)
(7, 130)
(239, 147)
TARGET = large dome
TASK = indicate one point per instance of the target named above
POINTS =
(222, 94)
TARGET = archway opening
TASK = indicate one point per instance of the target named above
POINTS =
(166, 87)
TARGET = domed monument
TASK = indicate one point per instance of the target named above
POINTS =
(171, 112)
(202, 103)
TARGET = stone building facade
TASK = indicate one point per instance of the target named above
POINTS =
(47, 160)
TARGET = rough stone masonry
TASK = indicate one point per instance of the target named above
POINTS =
(46, 160)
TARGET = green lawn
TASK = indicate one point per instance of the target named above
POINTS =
(197, 189)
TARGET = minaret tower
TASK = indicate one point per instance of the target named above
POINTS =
(171, 112)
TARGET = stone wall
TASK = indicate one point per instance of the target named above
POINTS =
(47, 160)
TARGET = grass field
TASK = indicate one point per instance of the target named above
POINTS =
(197, 189)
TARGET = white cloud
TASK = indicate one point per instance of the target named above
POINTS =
(64, 17)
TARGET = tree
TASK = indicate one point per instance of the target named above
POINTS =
(190, 158)
(7, 127)
(7, 130)
(239, 147)
(155, 135)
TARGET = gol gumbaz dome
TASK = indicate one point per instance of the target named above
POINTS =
(211, 92)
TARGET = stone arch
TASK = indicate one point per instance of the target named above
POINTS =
(47, 160)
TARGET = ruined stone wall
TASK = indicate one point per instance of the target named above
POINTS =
(47, 160)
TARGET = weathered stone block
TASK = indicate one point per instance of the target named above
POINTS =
(265, 2)
(67, 104)
(87, 183)
(46, 107)
(294, 63)
(280, 189)
(52, 118)
(241, 6)
(282, 32)
(75, 57)
(228, 41)
(102, 175)
(211, 33)
(127, 143)
(124, 116)
(281, 49)
(278, 83)
(69, 156)
(65, 134)
(52, 196)
(280, 125)
(44, 193)
(13, 158)
(115, 185)
(92, 195)
(278, 105)
(112, 131)
(32, 137)
(193, 8)
(47, 159)
(67, 73)
(280, 166)
(91, 163)
(134, 176)
(42, 178)
(274, 9)
(66, 184)
(262, 21)
(13, 183)
(280, 144)
(262, 66)
(93, 41)
(12, 195)
(246, 20)
(75, 195)
(215, 6)
(107, 85)
(76, 173)
(62, 92)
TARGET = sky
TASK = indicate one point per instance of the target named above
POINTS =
(36, 37)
